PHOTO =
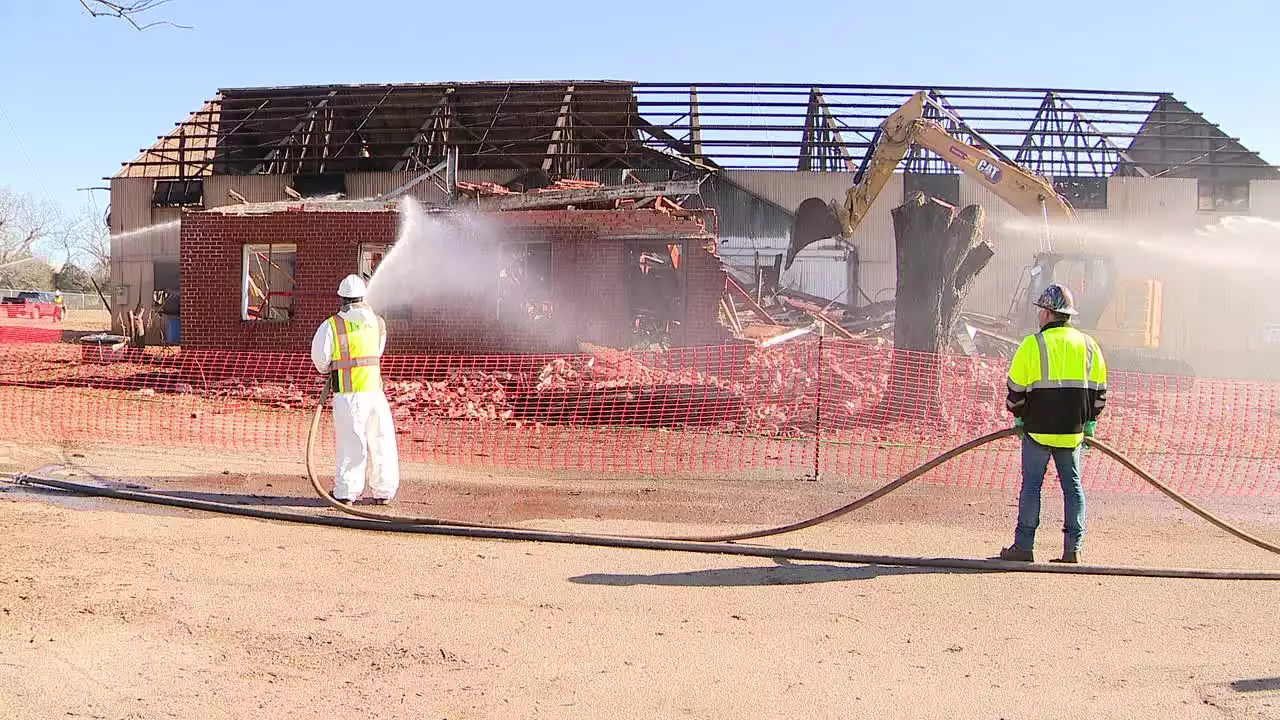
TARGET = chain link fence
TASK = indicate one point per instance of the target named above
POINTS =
(70, 300)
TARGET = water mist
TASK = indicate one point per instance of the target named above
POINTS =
(438, 260)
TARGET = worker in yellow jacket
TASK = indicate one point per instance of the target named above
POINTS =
(347, 347)
(1057, 390)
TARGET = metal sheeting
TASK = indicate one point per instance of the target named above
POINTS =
(1142, 201)
(1015, 240)
(159, 240)
(254, 188)
(130, 203)
(1264, 199)
(820, 273)
(786, 190)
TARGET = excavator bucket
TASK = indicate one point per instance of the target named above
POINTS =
(814, 221)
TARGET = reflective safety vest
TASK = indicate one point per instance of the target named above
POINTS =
(355, 355)
(57, 299)
(1057, 383)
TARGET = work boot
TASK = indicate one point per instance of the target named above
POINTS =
(1013, 553)
(379, 501)
(1069, 556)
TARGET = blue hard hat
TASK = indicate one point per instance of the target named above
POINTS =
(1058, 299)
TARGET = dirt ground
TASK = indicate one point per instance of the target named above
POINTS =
(111, 610)
(95, 320)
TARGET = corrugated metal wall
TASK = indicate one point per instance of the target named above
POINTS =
(819, 272)
(130, 203)
(254, 188)
(823, 262)
(1015, 242)
(1264, 198)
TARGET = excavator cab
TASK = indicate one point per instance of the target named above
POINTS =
(1091, 279)
(1118, 311)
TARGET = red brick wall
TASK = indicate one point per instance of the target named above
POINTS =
(589, 270)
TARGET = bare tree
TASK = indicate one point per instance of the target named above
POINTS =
(128, 11)
(27, 226)
(86, 241)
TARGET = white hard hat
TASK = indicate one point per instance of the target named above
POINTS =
(352, 286)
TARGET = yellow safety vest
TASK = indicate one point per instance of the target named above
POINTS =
(355, 355)
(1057, 383)
(57, 300)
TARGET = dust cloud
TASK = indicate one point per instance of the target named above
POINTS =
(1219, 309)
(1234, 246)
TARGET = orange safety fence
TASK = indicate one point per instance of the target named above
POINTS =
(833, 409)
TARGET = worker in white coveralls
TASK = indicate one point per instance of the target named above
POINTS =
(347, 347)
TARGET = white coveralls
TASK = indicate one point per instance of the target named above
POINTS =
(361, 421)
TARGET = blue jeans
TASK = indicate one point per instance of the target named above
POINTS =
(1035, 461)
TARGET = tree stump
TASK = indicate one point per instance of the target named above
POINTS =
(939, 254)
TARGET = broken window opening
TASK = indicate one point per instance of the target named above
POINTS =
(1084, 193)
(177, 193)
(268, 282)
(524, 282)
(371, 256)
(1223, 196)
(656, 285)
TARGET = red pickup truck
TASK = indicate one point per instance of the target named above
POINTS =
(31, 303)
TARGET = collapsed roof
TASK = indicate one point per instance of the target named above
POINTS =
(564, 127)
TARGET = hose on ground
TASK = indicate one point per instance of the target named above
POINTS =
(728, 537)
(791, 527)
(638, 543)
(720, 545)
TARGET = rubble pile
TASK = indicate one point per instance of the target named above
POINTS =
(285, 396)
(784, 390)
(464, 395)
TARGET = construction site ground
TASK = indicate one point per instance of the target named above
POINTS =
(114, 610)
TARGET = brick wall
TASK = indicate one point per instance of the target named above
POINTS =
(589, 271)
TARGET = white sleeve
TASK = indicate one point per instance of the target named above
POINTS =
(382, 335)
(322, 348)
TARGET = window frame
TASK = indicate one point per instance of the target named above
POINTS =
(506, 249)
(369, 248)
(271, 250)
(170, 192)
(1077, 191)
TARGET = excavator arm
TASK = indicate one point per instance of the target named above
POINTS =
(1028, 193)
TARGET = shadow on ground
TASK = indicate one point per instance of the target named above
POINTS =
(781, 574)
(242, 499)
(1256, 685)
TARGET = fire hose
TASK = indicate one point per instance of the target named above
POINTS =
(723, 544)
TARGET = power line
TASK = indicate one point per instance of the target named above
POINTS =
(23, 149)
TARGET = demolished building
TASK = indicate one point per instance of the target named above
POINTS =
(1125, 158)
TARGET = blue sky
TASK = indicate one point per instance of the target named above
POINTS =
(80, 96)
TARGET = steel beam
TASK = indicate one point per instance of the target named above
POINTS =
(431, 125)
(607, 193)
(695, 123)
(283, 142)
(560, 134)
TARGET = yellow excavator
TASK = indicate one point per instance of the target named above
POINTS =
(1123, 314)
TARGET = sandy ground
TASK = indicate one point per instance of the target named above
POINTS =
(108, 610)
(95, 320)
